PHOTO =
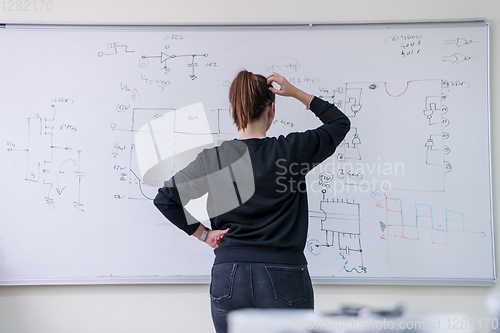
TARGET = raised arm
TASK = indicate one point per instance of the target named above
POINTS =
(288, 89)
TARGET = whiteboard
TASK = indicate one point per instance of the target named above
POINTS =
(405, 199)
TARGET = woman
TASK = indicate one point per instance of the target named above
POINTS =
(259, 237)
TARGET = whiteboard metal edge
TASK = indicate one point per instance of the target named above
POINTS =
(405, 281)
(489, 149)
(146, 25)
(205, 279)
(131, 280)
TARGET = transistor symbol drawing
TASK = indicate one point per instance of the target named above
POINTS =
(55, 166)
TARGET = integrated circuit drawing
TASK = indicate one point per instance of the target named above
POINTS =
(340, 224)
(392, 121)
(387, 122)
(163, 57)
(52, 160)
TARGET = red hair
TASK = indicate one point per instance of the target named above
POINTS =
(249, 96)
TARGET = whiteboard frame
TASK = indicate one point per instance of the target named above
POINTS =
(149, 25)
(488, 61)
(205, 279)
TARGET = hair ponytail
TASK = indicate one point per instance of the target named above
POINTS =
(249, 96)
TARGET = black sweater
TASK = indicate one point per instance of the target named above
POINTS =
(268, 216)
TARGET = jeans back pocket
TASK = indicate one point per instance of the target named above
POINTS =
(222, 281)
(288, 283)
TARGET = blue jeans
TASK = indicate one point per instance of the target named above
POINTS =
(237, 285)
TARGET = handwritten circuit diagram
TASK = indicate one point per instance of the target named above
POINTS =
(340, 225)
(53, 160)
(421, 104)
(175, 127)
(417, 111)
(163, 57)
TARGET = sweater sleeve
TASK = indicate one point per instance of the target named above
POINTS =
(316, 145)
(189, 183)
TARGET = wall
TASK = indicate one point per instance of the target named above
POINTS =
(186, 308)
